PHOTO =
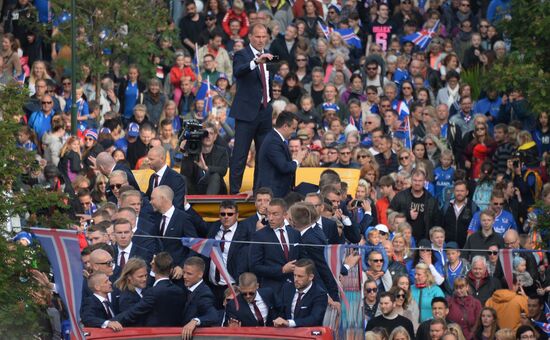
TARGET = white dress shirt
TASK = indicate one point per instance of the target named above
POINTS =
(126, 251)
(168, 215)
(253, 65)
(225, 254)
(262, 306)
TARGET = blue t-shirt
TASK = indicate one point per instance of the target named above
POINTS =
(503, 221)
(443, 178)
(452, 275)
(130, 99)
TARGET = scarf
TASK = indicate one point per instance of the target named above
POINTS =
(453, 95)
(421, 285)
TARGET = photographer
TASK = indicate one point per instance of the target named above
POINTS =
(205, 175)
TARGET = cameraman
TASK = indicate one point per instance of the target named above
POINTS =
(205, 176)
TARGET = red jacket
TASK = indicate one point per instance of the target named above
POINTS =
(230, 15)
(176, 73)
(465, 312)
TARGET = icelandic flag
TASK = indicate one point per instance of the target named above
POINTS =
(422, 38)
(63, 251)
(544, 326)
(349, 37)
(203, 90)
(196, 60)
(404, 133)
(402, 108)
(547, 310)
(506, 257)
(326, 30)
(211, 249)
(334, 255)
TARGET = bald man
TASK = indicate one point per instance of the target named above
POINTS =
(174, 224)
(165, 176)
(511, 241)
(106, 164)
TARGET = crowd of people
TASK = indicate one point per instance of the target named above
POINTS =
(448, 176)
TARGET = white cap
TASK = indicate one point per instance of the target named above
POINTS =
(382, 227)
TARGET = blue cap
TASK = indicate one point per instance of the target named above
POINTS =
(277, 79)
(336, 7)
(133, 130)
(330, 106)
(23, 236)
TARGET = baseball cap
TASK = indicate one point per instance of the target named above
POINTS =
(424, 243)
(452, 245)
(133, 130)
(330, 106)
(382, 228)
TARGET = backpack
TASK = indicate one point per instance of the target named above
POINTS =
(482, 194)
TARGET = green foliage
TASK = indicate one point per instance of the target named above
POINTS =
(528, 66)
(473, 77)
(20, 308)
(115, 31)
(543, 223)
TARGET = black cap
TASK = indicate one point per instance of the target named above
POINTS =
(451, 245)
(210, 15)
(424, 244)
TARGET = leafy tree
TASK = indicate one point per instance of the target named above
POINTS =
(22, 307)
(527, 67)
(115, 31)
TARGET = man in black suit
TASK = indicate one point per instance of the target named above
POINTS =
(117, 179)
(250, 107)
(261, 303)
(206, 175)
(165, 176)
(329, 227)
(272, 258)
(262, 197)
(303, 303)
(276, 166)
(106, 164)
(125, 247)
(140, 237)
(351, 231)
(304, 217)
(284, 46)
(199, 309)
(162, 304)
(228, 228)
(97, 310)
(174, 224)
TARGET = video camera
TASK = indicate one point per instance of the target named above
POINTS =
(193, 133)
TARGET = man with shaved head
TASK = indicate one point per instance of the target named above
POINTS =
(165, 176)
(98, 310)
(173, 225)
(106, 164)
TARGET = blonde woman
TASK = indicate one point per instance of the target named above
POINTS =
(70, 163)
(400, 333)
(401, 248)
(424, 290)
(38, 71)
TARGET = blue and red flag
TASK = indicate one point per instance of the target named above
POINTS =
(63, 251)
(349, 36)
(334, 255)
(422, 38)
(211, 249)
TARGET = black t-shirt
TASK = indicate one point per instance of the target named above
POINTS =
(391, 324)
(381, 33)
(418, 228)
(317, 96)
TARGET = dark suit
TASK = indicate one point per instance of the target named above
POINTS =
(250, 223)
(200, 305)
(278, 47)
(276, 169)
(305, 188)
(93, 313)
(323, 276)
(245, 315)
(161, 306)
(179, 226)
(330, 229)
(252, 119)
(312, 307)
(137, 251)
(267, 260)
(126, 301)
(143, 238)
(175, 181)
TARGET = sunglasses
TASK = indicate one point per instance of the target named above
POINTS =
(403, 158)
(345, 153)
(47, 103)
(377, 260)
(118, 186)
(371, 290)
(400, 296)
(372, 68)
(89, 139)
(497, 203)
(223, 214)
(300, 59)
(108, 263)
(67, 83)
(362, 156)
(492, 252)
(248, 293)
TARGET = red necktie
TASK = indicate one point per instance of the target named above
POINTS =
(264, 83)
(259, 316)
(298, 302)
(122, 262)
(222, 247)
(283, 243)
(156, 180)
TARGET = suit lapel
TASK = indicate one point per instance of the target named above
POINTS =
(275, 239)
(239, 236)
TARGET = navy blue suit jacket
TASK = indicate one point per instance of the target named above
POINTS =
(237, 259)
(127, 300)
(312, 308)
(276, 169)
(93, 312)
(200, 304)
(137, 251)
(198, 222)
(175, 181)
(330, 229)
(267, 260)
(248, 98)
(245, 315)
(180, 226)
(323, 276)
(161, 306)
